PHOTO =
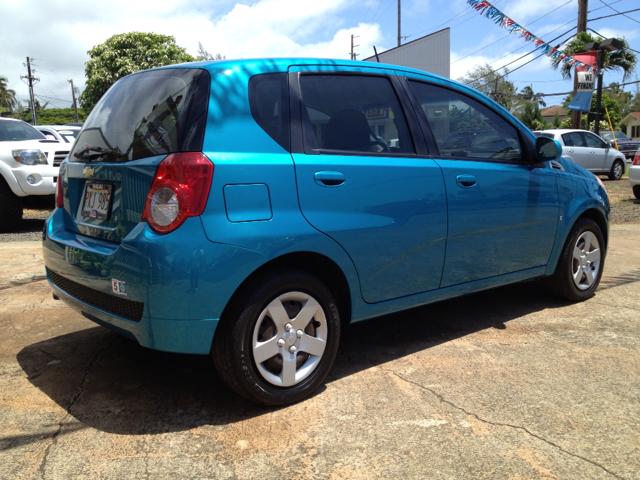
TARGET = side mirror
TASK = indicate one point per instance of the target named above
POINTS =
(547, 149)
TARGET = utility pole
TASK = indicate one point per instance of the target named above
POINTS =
(31, 78)
(399, 24)
(576, 115)
(353, 54)
(75, 105)
(495, 90)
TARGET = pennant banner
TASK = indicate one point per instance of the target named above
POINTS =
(492, 13)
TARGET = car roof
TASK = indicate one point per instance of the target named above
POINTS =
(264, 65)
(58, 127)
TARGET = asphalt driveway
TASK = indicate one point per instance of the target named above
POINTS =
(509, 383)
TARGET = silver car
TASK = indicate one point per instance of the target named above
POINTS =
(589, 151)
(634, 175)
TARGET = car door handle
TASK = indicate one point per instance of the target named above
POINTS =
(329, 178)
(571, 150)
(466, 181)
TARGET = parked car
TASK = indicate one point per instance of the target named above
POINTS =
(246, 209)
(61, 133)
(634, 175)
(626, 145)
(29, 165)
(589, 151)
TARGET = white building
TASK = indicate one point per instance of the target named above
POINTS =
(430, 53)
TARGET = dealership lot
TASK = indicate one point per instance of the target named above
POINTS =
(509, 383)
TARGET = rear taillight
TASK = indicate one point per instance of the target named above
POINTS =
(59, 199)
(636, 159)
(179, 190)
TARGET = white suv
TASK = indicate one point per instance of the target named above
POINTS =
(29, 165)
(589, 151)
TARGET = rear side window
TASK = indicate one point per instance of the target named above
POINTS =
(573, 139)
(465, 128)
(149, 113)
(353, 113)
(269, 100)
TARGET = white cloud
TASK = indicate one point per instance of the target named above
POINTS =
(64, 31)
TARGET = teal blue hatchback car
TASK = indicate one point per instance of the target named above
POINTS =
(246, 209)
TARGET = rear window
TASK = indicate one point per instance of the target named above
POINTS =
(543, 134)
(146, 114)
(14, 131)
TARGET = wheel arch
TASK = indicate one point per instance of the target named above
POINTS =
(592, 213)
(313, 263)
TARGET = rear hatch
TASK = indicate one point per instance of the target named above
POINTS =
(143, 118)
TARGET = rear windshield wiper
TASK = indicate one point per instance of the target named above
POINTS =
(84, 153)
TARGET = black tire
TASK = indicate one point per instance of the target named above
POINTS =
(636, 191)
(617, 170)
(562, 282)
(10, 208)
(246, 326)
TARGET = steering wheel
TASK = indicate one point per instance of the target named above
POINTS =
(385, 147)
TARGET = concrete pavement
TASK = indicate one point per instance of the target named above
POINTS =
(508, 384)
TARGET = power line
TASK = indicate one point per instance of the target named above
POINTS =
(614, 15)
(600, 35)
(619, 12)
(558, 28)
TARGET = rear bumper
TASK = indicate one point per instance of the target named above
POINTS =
(172, 288)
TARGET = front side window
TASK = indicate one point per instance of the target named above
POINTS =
(592, 141)
(465, 128)
(353, 113)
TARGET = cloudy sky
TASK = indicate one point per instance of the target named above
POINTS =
(58, 33)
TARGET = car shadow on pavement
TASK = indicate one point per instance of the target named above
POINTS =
(112, 384)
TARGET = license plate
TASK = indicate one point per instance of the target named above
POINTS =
(97, 199)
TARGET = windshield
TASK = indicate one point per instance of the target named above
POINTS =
(146, 114)
(619, 136)
(68, 136)
(16, 131)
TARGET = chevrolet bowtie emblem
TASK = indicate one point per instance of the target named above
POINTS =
(87, 172)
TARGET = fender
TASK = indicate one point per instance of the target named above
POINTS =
(10, 178)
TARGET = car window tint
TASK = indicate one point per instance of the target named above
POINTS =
(269, 100)
(592, 141)
(573, 139)
(353, 113)
(464, 127)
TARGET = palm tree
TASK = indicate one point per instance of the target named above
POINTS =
(621, 60)
(528, 95)
(7, 96)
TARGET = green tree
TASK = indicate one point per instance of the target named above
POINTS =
(613, 107)
(623, 60)
(528, 95)
(124, 54)
(204, 55)
(483, 78)
(7, 96)
(532, 117)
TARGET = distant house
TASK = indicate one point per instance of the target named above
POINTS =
(632, 121)
(549, 113)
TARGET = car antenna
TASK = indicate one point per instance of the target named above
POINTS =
(376, 52)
